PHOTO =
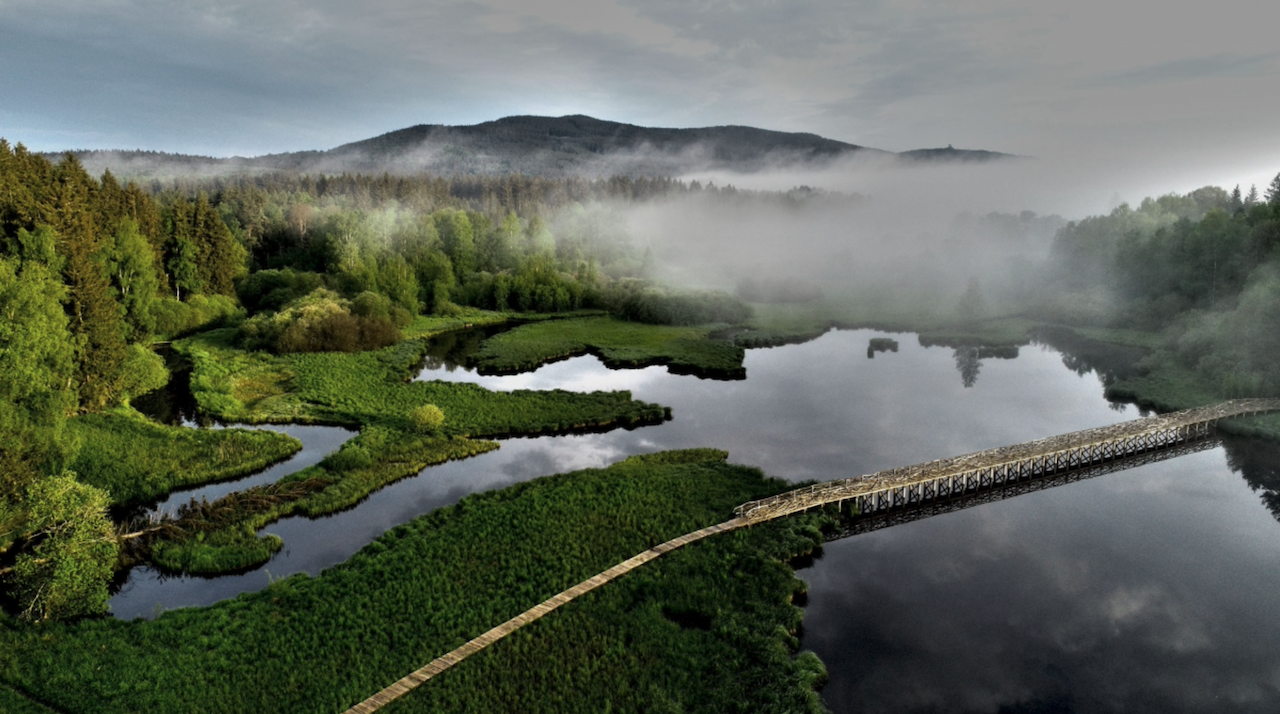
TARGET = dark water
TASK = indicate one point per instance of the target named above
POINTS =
(317, 442)
(1155, 589)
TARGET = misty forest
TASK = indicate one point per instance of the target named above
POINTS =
(171, 335)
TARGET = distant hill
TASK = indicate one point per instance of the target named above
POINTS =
(545, 146)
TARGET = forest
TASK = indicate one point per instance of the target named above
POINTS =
(1198, 272)
(295, 268)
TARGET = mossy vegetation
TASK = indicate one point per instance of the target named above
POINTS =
(135, 460)
(369, 390)
(618, 343)
(708, 628)
(14, 702)
(222, 536)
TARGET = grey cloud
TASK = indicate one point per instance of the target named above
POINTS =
(1193, 68)
(281, 75)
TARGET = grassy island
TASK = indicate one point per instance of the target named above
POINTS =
(368, 390)
(619, 344)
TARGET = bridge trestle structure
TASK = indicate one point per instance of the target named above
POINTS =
(995, 468)
(857, 524)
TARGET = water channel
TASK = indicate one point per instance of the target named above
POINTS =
(1153, 589)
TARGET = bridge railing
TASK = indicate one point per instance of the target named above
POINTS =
(1175, 425)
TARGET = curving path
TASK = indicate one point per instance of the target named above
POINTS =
(440, 664)
(929, 483)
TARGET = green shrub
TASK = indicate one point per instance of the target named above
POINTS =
(323, 321)
(175, 318)
(426, 418)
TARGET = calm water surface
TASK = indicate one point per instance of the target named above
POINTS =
(1154, 589)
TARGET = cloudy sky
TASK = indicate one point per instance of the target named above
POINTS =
(1187, 89)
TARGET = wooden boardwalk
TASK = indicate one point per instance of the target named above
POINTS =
(855, 524)
(906, 493)
(955, 476)
(440, 664)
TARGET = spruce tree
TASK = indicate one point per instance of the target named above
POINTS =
(1273, 191)
(96, 317)
(1252, 199)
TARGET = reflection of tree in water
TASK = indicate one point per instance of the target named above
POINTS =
(1082, 355)
(1258, 461)
(968, 363)
(454, 349)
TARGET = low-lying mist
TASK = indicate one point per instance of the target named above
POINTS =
(923, 233)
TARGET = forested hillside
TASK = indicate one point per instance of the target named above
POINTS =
(1201, 269)
(94, 272)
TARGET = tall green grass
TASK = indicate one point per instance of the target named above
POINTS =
(136, 460)
(354, 389)
(708, 628)
(13, 702)
(223, 537)
(368, 390)
(617, 343)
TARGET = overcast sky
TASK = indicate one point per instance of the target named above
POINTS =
(1186, 91)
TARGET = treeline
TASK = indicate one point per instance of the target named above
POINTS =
(1204, 268)
(388, 249)
(90, 272)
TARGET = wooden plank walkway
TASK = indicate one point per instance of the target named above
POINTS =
(444, 662)
(945, 478)
(886, 490)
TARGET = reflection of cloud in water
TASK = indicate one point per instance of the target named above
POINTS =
(1122, 593)
(534, 463)
(577, 374)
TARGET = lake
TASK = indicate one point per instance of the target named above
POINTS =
(1153, 589)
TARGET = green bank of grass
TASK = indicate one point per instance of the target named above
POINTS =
(1139, 368)
(13, 702)
(1165, 386)
(1131, 338)
(618, 343)
(362, 388)
(136, 460)
(222, 536)
(996, 332)
(708, 628)
(368, 390)
(432, 325)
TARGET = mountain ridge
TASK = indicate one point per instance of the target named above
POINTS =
(574, 144)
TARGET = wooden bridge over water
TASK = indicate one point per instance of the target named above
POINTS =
(993, 468)
(898, 495)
